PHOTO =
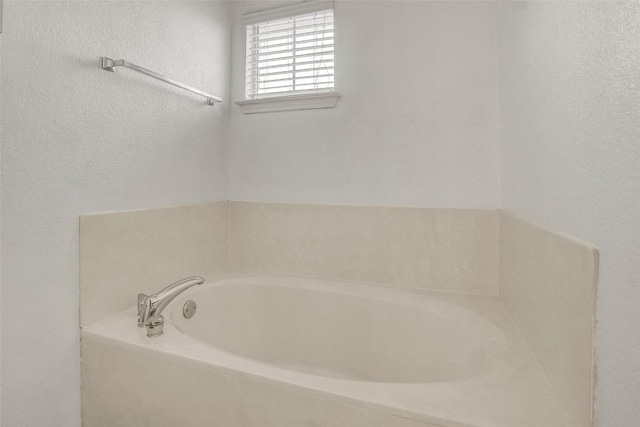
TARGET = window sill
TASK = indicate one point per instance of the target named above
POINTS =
(288, 103)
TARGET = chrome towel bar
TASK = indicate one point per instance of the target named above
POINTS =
(110, 64)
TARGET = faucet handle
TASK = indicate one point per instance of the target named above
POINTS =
(143, 307)
(150, 306)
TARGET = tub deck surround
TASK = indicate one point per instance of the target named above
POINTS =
(206, 397)
(545, 281)
(500, 386)
(126, 253)
(548, 284)
(439, 249)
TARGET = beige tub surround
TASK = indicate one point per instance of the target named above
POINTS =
(292, 357)
(548, 284)
(126, 253)
(440, 249)
(207, 397)
(327, 314)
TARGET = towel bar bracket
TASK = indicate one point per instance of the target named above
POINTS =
(109, 64)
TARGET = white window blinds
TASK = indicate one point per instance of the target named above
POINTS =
(290, 55)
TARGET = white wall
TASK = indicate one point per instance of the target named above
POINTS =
(79, 139)
(570, 133)
(0, 232)
(416, 124)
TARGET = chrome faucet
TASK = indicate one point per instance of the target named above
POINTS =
(150, 306)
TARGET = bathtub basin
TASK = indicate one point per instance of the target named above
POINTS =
(422, 357)
(341, 335)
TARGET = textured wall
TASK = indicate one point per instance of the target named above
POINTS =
(78, 139)
(416, 124)
(0, 231)
(570, 126)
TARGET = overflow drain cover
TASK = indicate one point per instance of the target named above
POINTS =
(189, 309)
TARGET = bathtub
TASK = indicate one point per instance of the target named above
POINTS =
(286, 351)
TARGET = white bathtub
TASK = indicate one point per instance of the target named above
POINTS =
(282, 351)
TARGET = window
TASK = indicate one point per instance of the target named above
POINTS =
(290, 54)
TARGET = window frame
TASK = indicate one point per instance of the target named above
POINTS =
(292, 101)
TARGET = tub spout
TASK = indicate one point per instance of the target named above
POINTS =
(150, 306)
